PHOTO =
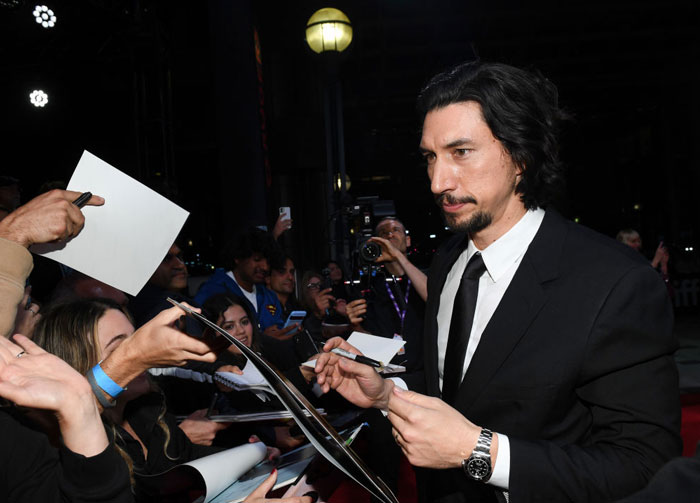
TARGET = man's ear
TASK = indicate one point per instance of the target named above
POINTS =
(408, 241)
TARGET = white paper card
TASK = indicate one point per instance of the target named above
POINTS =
(124, 240)
(378, 348)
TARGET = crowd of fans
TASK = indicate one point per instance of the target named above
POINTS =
(120, 387)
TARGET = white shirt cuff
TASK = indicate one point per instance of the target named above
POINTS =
(501, 470)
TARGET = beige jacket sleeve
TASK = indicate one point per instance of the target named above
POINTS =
(15, 265)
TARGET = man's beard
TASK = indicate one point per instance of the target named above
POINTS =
(477, 222)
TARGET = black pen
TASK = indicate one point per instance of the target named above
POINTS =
(211, 405)
(82, 199)
(358, 358)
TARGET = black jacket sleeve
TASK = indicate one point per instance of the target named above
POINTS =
(32, 470)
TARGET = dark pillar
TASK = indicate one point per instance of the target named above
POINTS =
(241, 175)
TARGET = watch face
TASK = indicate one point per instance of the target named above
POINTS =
(478, 468)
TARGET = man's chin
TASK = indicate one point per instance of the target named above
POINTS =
(470, 225)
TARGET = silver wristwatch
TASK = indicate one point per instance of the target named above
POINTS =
(478, 465)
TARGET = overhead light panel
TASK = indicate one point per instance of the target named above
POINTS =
(38, 98)
(44, 16)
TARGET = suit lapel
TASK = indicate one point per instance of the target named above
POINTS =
(519, 306)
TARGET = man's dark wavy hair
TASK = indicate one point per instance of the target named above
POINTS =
(248, 242)
(520, 108)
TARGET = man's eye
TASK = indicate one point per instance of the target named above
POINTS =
(461, 152)
(429, 157)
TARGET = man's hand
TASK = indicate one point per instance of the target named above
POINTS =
(359, 384)
(282, 334)
(324, 300)
(281, 225)
(158, 344)
(661, 258)
(356, 310)
(201, 430)
(31, 377)
(389, 252)
(227, 368)
(52, 216)
(431, 433)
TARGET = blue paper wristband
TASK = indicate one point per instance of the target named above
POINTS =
(105, 382)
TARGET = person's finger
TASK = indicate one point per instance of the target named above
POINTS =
(218, 426)
(27, 345)
(358, 369)
(198, 414)
(339, 342)
(403, 403)
(167, 316)
(290, 328)
(325, 291)
(95, 200)
(9, 346)
(265, 487)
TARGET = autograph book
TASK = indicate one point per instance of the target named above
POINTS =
(319, 432)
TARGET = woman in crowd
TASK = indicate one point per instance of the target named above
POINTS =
(233, 315)
(85, 332)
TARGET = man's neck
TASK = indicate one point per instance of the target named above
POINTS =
(283, 297)
(499, 226)
(245, 285)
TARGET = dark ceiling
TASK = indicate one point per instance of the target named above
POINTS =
(626, 70)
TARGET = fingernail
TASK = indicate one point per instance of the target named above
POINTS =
(313, 495)
(398, 389)
(274, 470)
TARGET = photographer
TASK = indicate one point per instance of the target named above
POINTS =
(395, 304)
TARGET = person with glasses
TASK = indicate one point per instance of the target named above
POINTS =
(168, 280)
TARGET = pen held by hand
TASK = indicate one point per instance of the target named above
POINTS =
(358, 358)
(82, 199)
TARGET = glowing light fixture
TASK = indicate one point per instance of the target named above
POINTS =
(38, 98)
(44, 16)
(328, 29)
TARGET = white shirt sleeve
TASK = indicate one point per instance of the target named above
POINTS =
(501, 470)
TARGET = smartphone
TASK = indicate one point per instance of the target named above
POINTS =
(286, 212)
(295, 317)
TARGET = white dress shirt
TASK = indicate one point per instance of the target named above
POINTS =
(501, 258)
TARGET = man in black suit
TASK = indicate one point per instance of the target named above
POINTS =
(548, 348)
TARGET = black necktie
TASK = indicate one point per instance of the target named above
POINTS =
(461, 327)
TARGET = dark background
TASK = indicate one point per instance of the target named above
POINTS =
(170, 92)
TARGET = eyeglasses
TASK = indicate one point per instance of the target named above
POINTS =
(314, 286)
(385, 233)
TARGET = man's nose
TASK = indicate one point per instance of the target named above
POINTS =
(442, 178)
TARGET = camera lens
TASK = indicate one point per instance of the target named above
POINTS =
(370, 252)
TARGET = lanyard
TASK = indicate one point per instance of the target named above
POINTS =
(400, 312)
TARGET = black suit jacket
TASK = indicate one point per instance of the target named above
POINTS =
(575, 366)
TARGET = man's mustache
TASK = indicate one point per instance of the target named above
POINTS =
(441, 199)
